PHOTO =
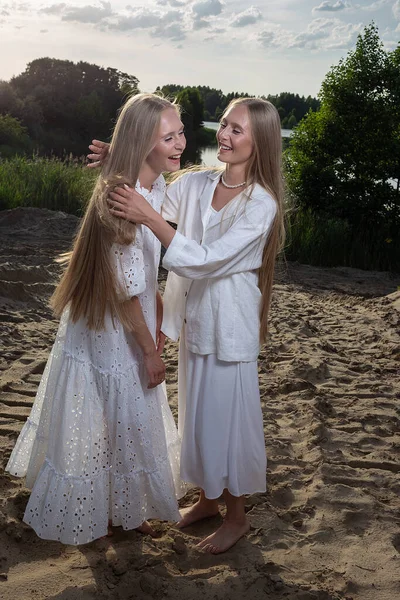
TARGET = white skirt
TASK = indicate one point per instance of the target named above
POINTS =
(221, 424)
(98, 445)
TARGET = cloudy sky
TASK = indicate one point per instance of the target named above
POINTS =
(268, 46)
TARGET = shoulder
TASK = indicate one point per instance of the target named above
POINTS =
(261, 197)
(160, 184)
(196, 178)
(261, 205)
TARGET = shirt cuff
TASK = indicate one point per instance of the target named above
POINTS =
(171, 256)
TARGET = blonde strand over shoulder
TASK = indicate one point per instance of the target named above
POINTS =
(89, 284)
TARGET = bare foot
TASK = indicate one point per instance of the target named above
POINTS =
(203, 509)
(225, 537)
(146, 529)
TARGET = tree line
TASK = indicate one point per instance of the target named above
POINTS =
(55, 106)
(291, 107)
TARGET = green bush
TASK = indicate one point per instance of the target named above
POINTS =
(206, 137)
(320, 240)
(13, 137)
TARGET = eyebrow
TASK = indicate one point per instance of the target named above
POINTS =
(172, 132)
(234, 125)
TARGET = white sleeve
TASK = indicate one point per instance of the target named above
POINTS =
(128, 264)
(239, 249)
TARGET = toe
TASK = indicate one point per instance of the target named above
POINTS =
(202, 543)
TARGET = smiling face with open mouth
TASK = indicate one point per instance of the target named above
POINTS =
(235, 141)
(171, 142)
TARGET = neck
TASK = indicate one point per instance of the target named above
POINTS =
(147, 176)
(234, 174)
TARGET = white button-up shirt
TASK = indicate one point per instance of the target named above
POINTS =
(212, 284)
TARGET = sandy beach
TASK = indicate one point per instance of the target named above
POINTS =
(328, 527)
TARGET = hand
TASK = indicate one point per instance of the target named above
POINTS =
(155, 369)
(161, 343)
(100, 153)
(127, 204)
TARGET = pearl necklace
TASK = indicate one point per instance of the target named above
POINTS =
(231, 187)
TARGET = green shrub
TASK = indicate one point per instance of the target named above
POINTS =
(324, 241)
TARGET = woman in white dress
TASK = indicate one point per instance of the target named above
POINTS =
(100, 446)
(221, 261)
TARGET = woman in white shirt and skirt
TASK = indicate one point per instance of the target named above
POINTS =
(221, 262)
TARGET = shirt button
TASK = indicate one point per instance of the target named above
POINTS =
(184, 320)
(185, 293)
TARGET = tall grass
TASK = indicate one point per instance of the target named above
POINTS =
(50, 183)
(322, 241)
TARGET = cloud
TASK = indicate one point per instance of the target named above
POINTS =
(343, 36)
(54, 9)
(174, 3)
(321, 34)
(173, 31)
(17, 6)
(375, 5)
(207, 8)
(266, 38)
(172, 16)
(330, 7)
(200, 24)
(396, 10)
(247, 17)
(142, 19)
(318, 29)
(167, 25)
(88, 13)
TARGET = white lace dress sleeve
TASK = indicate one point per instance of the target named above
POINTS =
(128, 263)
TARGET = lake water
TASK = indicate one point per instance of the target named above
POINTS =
(209, 153)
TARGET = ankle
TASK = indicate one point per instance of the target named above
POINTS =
(238, 520)
(207, 503)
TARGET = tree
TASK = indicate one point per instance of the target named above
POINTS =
(192, 108)
(343, 159)
(13, 137)
(63, 104)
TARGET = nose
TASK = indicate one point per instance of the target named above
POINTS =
(180, 143)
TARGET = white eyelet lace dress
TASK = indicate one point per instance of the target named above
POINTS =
(99, 445)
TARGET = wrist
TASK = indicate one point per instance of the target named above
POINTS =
(151, 219)
(149, 351)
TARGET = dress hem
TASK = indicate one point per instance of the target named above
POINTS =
(215, 497)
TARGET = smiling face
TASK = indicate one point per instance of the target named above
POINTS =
(235, 140)
(170, 143)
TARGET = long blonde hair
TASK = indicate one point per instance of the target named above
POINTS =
(89, 283)
(265, 168)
